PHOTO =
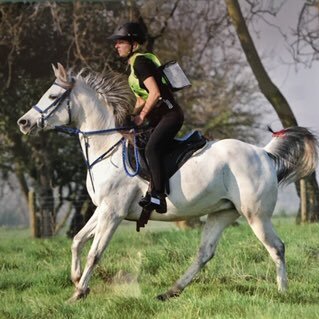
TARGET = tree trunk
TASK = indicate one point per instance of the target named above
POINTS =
(312, 198)
(303, 201)
(46, 203)
(267, 87)
(22, 181)
(43, 189)
(35, 220)
(274, 96)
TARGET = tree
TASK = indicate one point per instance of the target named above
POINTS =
(271, 92)
(305, 47)
(223, 99)
(38, 162)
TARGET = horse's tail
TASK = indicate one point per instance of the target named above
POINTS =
(295, 153)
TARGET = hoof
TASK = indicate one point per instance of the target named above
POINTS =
(167, 295)
(78, 295)
(283, 287)
(282, 291)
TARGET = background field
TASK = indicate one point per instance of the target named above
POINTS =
(238, 283)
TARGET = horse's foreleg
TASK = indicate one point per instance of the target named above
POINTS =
(79, 240)
(265, 232)
(215, 224)
(107, 223)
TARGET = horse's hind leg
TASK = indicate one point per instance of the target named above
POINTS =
(265, 232)
(215, 224)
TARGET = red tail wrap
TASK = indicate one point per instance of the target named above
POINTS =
(281, 133)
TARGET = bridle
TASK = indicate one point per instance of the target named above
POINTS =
(54, 106)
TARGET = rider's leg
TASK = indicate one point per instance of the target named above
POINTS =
(161, 137)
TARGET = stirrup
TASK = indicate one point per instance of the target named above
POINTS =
(157, 202)
(145, 199)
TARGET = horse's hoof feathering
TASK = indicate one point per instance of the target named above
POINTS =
(78, 295)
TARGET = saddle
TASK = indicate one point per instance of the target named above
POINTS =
(178, 152)
(176, 156)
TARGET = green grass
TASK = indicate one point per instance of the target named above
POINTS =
(238, 283)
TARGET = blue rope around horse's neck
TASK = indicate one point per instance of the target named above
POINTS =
(75, 131)
(125, 155)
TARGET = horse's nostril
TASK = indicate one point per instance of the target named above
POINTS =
(23, 122)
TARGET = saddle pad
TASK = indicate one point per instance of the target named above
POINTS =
(178, 154)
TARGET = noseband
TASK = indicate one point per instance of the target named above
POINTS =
(52, 108)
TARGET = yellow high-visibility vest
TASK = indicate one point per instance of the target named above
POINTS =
(133, 80)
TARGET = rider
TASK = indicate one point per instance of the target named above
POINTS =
(154, 103)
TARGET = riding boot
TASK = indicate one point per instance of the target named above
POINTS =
(157, 202)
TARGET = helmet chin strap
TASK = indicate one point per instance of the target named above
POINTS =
(132, 51)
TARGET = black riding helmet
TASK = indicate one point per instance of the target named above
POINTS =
(130, 31)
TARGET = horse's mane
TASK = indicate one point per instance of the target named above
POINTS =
(112, 88)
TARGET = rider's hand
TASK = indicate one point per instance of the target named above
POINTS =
(138, 120)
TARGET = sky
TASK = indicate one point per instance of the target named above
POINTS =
(299, 84)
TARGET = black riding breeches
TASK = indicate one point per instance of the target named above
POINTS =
(163, 134)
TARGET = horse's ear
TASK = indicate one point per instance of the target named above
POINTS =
(63, 76)
(55, 70)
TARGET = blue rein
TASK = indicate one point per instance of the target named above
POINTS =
(75, 131)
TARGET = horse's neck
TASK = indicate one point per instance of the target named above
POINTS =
(93, 115)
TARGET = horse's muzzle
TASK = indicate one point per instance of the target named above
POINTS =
(25, 125)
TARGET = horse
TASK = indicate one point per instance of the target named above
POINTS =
(224, 180)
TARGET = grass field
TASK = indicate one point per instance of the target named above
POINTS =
(238, 283)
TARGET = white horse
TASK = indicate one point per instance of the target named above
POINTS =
(224, 180)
